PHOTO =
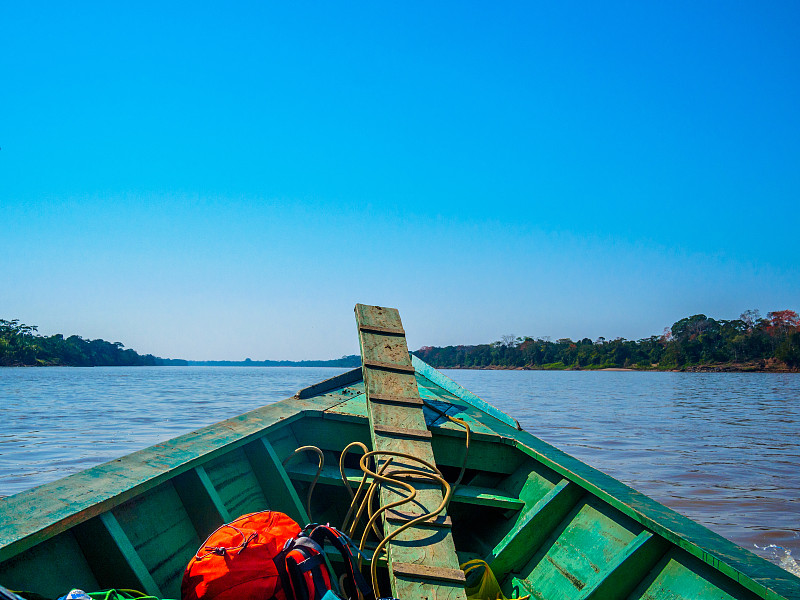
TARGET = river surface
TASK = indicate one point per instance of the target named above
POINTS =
(720, 448)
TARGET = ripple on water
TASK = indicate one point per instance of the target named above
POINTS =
(718, 447)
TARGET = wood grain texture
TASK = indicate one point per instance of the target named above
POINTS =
(274, 482)
(45, 567)
(201, 501)
(161, 534)
(427, 573)
(532, 528)
(430, 547)
(237, 486)
(129, 552)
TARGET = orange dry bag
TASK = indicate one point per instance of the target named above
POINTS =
(242, 560)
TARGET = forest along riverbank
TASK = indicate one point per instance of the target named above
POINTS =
(717, 447)
(773, 366)
(749, 343)
(696, 343)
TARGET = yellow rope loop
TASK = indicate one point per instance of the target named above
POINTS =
(366, 502)
(395, 478)
(321, 458)
(381, 476)
(371, 500)
(341, 464)
(353, 497)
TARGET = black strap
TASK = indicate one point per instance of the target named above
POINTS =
(313, 556)
(311, 562)
(280, 564)
(320, 587)
(299, 589)
(341, 542)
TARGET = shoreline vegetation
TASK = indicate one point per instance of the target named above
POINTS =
(750, 367)
(22, 346)
(694, 344)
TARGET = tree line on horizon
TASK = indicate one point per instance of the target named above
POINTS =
(749, 342)
(20, 345)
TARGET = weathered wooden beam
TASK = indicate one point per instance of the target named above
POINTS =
(390, 399)
(383, 365)
(386, 330)
(404, 516)
(427, 573)
(401, 427)
(402, 432)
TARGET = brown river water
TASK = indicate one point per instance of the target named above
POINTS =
(720, 448)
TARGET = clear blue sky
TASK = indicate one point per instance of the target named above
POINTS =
(226, 180)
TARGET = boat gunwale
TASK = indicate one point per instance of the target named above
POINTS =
(34, 515)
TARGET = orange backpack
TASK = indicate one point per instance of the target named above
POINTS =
(263, 556)
(242, 560)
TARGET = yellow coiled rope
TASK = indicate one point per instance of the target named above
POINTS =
(396, 478)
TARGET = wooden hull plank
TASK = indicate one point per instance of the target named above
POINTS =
(132, 558)
(533, 527)
(638, 559)
(201, 501)
(274, 480)
(46, 567)
(387, 370)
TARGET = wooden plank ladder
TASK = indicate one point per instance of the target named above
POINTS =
(422, 559)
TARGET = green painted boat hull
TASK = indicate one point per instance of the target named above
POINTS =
(549, 525)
